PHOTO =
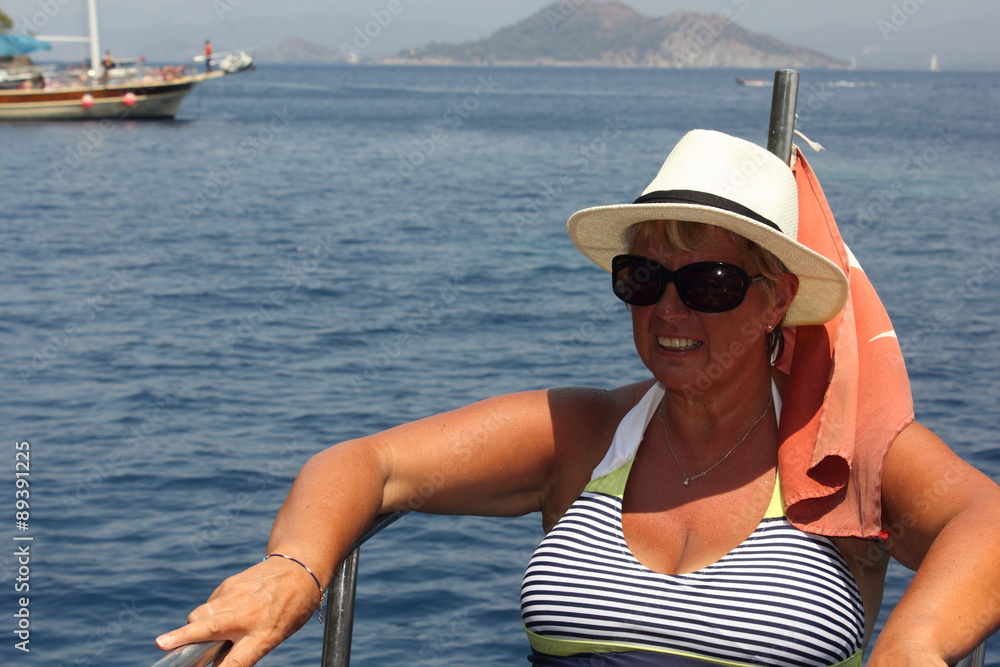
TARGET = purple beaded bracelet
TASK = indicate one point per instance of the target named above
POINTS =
(322, 593)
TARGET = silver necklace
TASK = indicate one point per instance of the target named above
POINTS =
(688, 480)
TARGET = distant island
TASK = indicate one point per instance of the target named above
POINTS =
(587, 33)
(612, 34)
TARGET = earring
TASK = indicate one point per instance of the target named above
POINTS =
(770, 328)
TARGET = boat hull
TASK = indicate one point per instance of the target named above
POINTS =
(149, 100)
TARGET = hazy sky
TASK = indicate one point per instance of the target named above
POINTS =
(252, 23)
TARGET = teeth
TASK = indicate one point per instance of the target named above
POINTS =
(678, 344)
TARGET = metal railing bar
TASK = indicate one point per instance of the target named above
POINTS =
(975, 659)
(192, 655)
(381, 522)
(339, 626)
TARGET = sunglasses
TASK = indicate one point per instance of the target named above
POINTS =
(708, 287)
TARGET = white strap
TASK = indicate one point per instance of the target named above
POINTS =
(629, 433)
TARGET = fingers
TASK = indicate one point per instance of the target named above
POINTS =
(255, 610)
(244, 654)
(246, 651)
(210, 628)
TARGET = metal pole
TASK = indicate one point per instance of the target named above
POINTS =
(340, 605)
(193, 655)
(340, 614)
(782, 126)
(95, 38)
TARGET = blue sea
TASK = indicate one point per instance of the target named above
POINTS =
(191, 309)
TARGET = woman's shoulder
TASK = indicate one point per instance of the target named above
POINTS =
(584, 422)
(593, 407)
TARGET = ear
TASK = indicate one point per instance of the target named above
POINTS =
(785, 289)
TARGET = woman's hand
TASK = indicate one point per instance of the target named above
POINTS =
(256, 609)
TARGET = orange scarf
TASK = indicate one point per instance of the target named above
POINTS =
(848, 394)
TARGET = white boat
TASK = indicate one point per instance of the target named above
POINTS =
(122, 89)
(934, 63)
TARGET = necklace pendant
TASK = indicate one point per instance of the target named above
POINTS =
(687, 480)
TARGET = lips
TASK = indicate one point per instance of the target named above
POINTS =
(677, 344)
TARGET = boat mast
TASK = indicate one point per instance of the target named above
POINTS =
(95, 44)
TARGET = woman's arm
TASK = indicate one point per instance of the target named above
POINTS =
(943, 517)
(497, 457)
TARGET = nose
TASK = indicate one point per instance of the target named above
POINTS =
(670, 306)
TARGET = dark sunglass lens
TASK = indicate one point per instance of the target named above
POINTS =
(712, 287)
(637, 280)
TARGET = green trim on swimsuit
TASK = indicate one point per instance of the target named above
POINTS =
(567, 647)
(613, 484)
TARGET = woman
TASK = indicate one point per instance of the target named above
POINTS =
(666, 542)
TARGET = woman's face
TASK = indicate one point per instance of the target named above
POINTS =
(695, 352)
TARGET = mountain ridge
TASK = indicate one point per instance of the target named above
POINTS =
(612, 34)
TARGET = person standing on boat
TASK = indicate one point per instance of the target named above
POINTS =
(671, 539)
(106, 64)
(208, 56)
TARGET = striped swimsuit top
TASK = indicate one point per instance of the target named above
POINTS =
(781, 598)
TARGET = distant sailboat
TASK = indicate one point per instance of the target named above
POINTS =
(934, 63)
(115, 89)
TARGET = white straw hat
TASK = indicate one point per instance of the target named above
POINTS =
(720, 180)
